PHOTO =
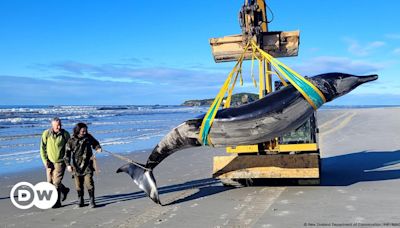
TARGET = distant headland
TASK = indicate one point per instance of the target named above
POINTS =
(237, 99)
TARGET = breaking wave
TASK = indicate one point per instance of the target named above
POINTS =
(118, 128)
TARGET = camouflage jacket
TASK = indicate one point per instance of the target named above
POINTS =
(78, 154)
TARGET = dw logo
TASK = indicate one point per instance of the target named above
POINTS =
(43, 195)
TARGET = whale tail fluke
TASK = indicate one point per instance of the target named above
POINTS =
(143, 178)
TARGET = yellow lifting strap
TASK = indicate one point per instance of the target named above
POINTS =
(212, 111)
(311, 93)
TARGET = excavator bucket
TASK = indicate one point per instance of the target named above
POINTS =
(277, 44)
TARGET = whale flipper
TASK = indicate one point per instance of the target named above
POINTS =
(142, 178)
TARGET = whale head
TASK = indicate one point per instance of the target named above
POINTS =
(334, 85)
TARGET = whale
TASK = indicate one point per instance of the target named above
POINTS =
(275, 114)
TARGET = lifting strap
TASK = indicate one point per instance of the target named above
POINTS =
(212, 111)
(310, 92)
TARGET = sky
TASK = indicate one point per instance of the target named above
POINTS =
(157, 52)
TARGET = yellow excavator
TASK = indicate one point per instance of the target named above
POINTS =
(294, 156)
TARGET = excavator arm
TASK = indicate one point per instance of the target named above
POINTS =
(254, 25)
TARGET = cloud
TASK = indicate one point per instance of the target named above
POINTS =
(72, 82)
(393, 36)
(396, 51)
(362, 50)
(69, 90)
(200, 76)
(134, 60)
(76, 90)
(74, 67)
(313, 50)
(325, 64)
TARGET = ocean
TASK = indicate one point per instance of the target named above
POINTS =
(120, 129)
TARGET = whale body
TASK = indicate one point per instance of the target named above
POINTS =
(277, 113)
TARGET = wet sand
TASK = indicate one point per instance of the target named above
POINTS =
(360, 184)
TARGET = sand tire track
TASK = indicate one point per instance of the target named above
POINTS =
(339, 126)
(329, 122)
(254, 206)
(151, 214)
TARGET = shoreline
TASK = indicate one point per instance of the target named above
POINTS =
(360, 150)
(100, 157)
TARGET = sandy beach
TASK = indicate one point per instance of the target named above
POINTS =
(360, 151)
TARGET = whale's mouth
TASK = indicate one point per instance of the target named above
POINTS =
(367, 78)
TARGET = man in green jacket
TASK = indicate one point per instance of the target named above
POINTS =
(52, 151)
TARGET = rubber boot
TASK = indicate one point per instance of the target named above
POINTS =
(58, 203)
(80, 198)
(64, 193)
(92, 200)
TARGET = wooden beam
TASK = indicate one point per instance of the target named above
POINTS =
(277, 44)
(266, 166)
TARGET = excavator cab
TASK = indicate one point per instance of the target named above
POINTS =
(305, 134)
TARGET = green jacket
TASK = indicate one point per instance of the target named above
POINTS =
(52, 145)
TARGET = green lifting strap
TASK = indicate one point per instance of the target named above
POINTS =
(317, 100)
(208, 123)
